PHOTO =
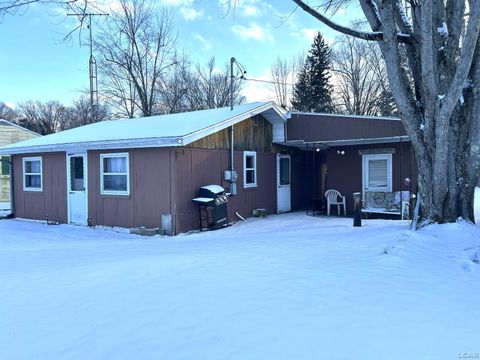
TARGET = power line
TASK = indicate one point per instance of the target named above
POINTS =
(267, 81)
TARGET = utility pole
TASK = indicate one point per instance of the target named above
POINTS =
(92, 67)
(232, 177)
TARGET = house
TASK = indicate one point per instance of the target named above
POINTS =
(146, 171)
(10, 133)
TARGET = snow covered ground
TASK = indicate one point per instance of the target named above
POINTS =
(285, 287)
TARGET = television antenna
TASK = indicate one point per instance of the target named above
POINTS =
(92, 65)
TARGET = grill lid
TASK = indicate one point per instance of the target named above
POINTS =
(215, 189)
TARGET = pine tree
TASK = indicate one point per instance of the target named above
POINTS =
(312, 92)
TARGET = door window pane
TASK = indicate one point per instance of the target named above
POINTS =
(77, 182)
(284, 171)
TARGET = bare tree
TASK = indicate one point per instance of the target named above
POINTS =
(431, 50)
(80, 113)
(361, 84)
(280, 71)
(284, 74)
(43, 118)
(174, 87)
(209, 87)
(6, 112)
(136, 49)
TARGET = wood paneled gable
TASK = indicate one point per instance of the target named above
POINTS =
(253, 134)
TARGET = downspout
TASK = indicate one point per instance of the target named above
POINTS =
(401, 165)
(12, 202)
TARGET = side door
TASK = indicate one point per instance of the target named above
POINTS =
(284, 193)
(77, 188)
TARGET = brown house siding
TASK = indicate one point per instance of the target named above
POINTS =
(152, 190)
(345, 171)
(198, 167)
(52, 201)
(321, 127)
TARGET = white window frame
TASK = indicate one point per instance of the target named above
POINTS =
(114, 192)
(245, 155)
(25, 174)
(365, 160)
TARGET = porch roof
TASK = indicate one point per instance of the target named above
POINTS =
(324, 130)
(305, 145)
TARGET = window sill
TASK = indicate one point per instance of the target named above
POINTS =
(115, 196)
(33, 191)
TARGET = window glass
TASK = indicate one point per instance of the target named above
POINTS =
(115, 182)
(250, 176)
(32, 174)
(250, 168)
(377, 173)
(284, 171)
(76, 174)
(115, 174)
(250, 162)
(115, 165)
(32, 166)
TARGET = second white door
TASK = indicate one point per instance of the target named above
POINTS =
(283, 183)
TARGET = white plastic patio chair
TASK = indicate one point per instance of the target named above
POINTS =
(333, 197)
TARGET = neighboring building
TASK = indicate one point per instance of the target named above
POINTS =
(10, 133)
(136, 172)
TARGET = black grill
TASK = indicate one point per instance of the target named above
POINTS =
(212, 201)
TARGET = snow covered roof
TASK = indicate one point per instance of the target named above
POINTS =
(154, 131)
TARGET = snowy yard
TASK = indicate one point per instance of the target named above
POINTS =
(285, 287)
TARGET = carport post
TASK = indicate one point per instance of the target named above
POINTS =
(357, 209)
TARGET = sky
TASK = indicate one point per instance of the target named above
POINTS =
(36, 64)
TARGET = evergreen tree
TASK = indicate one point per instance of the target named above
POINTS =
(387, 105)
(312, 92)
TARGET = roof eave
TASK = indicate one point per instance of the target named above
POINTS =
(95, 145)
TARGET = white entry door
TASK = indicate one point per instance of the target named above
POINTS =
(283, 183)
(77, 188)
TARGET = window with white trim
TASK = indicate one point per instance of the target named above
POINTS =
(32, 174)
(377, 172)
(114, 174)
(249, 169)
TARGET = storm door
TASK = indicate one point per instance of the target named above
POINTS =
(77, 188)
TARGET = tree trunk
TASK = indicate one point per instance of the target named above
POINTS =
(447, 179)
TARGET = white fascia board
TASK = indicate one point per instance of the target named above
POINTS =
(96, 145)
(346, 142)
(194, 136)
(289, 115)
